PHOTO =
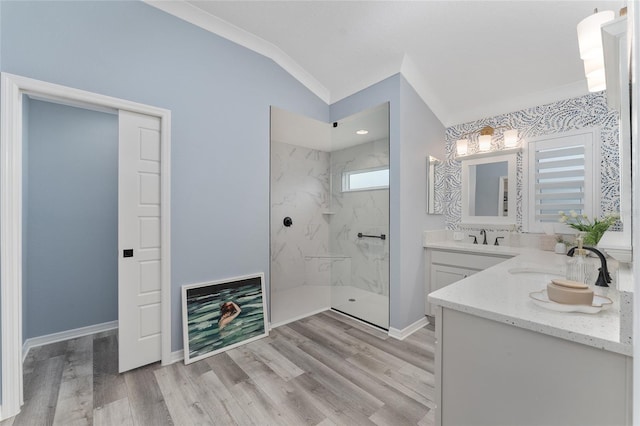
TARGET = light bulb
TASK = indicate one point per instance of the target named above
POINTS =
(484, 143)
(461, 146)
(594, 71)
(510, 138)
(589, 35)
(590, 43)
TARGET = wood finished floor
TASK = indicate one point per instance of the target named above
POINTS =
(323, 370)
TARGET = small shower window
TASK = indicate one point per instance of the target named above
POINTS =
(367, 179)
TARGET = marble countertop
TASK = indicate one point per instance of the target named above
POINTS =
(498, 295)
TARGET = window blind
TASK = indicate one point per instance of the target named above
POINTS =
(560, 185)
(560, 178)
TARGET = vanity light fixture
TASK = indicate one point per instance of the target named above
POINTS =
(484, 141)
(510, 140)
(461, 146)
(594, 71)
(362, 132)
(590, 43)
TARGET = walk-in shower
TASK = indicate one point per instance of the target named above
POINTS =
(332, 183)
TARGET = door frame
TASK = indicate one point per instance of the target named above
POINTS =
(13, 87)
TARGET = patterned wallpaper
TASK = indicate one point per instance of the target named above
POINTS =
(572, 114)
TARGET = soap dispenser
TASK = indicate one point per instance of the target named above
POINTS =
(578, 269)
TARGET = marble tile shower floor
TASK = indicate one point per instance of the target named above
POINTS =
(298, 302)
(365, 305)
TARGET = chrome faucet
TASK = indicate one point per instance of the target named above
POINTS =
(603, 277)
(484, 233)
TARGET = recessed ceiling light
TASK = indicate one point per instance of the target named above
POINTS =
(362, 132)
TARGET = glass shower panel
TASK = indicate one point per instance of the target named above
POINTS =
(359, 216)
(300, 268)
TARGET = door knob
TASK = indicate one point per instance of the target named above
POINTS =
(127, 253)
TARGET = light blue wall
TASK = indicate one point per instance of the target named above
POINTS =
(72, 215)
(219, 95)
(422, 134)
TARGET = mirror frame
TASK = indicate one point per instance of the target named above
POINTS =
(432, 163)
(511, 217)
(616, 48)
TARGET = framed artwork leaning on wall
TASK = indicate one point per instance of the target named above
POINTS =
(221, 315)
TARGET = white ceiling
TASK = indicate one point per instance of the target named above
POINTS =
(295, 129)
(374, 120)
(466, 59)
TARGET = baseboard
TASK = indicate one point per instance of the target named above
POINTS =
(408, 331)
(3, 417)
(299, 317)
(176, 356)
(65, 335)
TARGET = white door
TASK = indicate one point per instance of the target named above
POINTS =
(139, 241)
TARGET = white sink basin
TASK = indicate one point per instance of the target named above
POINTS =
(537, 273)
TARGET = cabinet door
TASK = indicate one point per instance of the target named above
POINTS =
(442, 276)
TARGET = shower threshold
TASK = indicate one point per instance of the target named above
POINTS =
(360, 319)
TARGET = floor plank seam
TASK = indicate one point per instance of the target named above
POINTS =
(324, 370)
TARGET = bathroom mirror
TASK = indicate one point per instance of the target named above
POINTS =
(435, 185)
(489, 190)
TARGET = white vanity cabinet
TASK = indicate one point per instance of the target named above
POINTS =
(508, 361)
(505, 375)
(444, 267)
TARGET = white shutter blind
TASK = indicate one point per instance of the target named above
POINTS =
(559, 175)
(561, 178)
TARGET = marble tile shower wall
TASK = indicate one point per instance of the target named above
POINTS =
(572, 114)
(323, 249)
(361, 211)
(300, 190)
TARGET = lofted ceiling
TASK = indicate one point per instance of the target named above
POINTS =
(466, 59)
(295, 129)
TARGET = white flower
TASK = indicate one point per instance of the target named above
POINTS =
(561, 213)
(573, 214)
(563, 219)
